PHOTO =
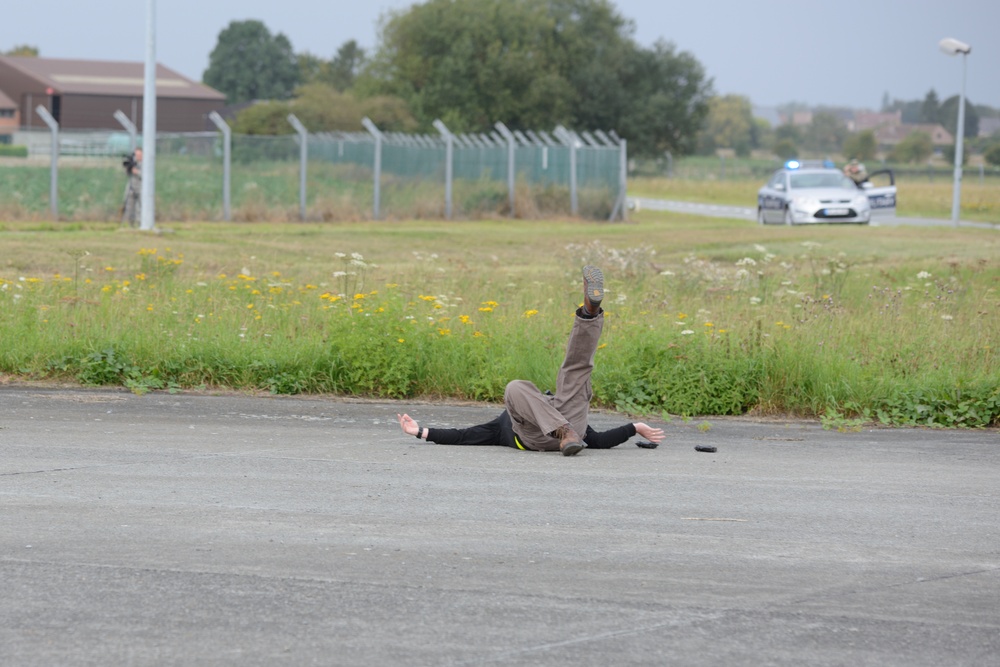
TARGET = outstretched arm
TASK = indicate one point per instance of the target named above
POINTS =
(496, 432)
(616, 436)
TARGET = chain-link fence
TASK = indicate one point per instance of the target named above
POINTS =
(703, 168)
(325, 176)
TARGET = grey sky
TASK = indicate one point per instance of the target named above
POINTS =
(820, 53)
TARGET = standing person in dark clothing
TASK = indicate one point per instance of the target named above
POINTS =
(133, 188)
(544, 422)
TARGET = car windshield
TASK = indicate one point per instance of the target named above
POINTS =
(821, 179)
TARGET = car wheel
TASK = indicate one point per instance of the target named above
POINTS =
(788, 216)
(760, 217)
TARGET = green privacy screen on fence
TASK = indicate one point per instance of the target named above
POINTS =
(563, 173)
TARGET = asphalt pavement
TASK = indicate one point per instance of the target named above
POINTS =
(750, 213)
(233, 530)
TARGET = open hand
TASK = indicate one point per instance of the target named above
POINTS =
(408, 424)
(648, 432)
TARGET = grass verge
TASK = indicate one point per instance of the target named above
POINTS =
(705, 317)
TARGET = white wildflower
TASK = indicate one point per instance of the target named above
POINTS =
(759, 248)
(667, 273)
(747, 261)
(947, 317)
(686, 332)
(755, 300)
(923, 275)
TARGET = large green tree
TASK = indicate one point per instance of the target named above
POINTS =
(949, 117)
(23, 50)
(534, 64)
(730, 124)
(321, 108)
(249, 63)
(992, 154)
(826, 133)
(915, 147)
(861, 145)
(338, 73)
(930, 109)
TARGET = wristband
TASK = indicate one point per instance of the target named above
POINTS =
(418, 433)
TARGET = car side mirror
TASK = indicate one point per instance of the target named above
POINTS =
(866, 185)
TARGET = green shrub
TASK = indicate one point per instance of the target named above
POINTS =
(7, 150)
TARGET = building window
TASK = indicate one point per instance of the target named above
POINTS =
(6, 113)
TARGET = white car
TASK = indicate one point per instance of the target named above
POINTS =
(809, 195)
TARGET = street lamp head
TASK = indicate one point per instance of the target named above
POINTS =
(953, 47)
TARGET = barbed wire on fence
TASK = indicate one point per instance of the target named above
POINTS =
(529, 173)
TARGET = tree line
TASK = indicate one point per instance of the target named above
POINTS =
(527, 63)
(730, 124)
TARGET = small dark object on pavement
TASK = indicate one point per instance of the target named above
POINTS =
(647, 445)
(706, 448)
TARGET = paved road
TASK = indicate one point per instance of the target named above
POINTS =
(210, 530)
(750, 213)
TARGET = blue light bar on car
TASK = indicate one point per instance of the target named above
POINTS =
(793, 164)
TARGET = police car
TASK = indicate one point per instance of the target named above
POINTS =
(804, 193)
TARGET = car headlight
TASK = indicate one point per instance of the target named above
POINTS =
(860, 202)
(803, 203)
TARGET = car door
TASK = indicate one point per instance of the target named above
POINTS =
(881, 190)
(772, 198)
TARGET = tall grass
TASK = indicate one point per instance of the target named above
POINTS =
(703, 317)
(190, 188)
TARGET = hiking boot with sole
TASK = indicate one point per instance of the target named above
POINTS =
(570, 443)
(593, 289)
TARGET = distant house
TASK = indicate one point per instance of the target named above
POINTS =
(890, 135)
(989, 126)
(870, 120)
(802, 118)
(9, 118)
(84, 94)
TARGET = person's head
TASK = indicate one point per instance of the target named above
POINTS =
(138, 155)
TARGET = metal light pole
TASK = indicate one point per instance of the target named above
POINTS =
(953, 47)
(148, 195)
(303, 133)
(227, 153)
(377, 134)
(511, 165)
(54, 168)
(449, 157)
